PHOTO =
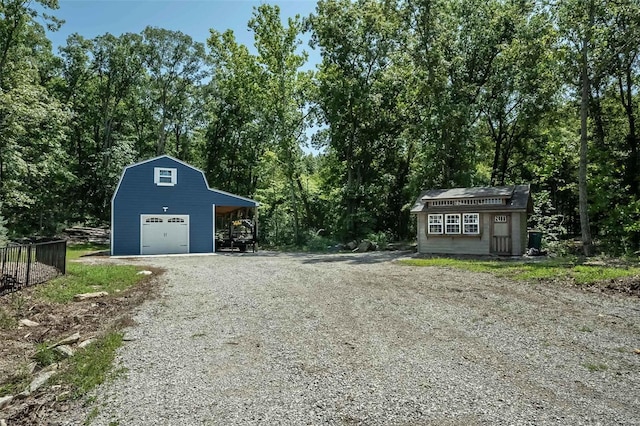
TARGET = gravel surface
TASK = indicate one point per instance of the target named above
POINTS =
(271, 338)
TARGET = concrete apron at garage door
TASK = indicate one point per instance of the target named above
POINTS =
(164, 234)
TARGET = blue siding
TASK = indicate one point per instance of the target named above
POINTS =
(138, 194)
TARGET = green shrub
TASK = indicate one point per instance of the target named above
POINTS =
(381, 239)
(318, 243)
(546, 220)
(4, 239)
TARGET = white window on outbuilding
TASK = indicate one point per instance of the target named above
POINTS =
(452, 224)
(471, 223)
(165, 176)
(435, 224)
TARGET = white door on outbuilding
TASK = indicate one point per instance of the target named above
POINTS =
(164, 234)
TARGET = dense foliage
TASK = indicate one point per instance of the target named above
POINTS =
(410, 94)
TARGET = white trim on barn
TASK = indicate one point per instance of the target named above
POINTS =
(164, 176)
(213, 249)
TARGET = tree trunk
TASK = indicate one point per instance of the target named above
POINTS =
(631, 172)
(496, 161)
(583, 205)
(296, 215)
(305, 202)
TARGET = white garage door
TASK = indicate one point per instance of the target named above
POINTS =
(164, 234)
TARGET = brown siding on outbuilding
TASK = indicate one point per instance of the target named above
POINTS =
(523, 233)
(516, 208)
(455, 244)
(516, 237)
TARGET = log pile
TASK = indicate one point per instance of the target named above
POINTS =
(82, 234)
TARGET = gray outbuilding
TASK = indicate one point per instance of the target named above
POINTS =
(477, 221)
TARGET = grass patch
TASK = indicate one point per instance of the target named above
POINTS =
(82, 278)
(18, 301)
(596, 367)
(588, 274)
(45, 355)
(92, 366)
(563, 269)
(17, 383)
(7, 321)
(76, 251)
(92, 415)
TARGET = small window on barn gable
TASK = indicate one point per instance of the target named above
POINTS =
(435, 224)
(165, 176)
(452, 223)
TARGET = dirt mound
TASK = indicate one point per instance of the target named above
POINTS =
(629, 286)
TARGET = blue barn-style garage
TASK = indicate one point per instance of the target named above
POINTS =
(165, 206)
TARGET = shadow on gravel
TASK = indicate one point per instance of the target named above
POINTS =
(357, 258)
(312, 258)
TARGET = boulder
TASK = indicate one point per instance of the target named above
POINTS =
(366, 245)
(64, 350)
(5, 400)
(40, 380)
(67, 340)
(351, 245)
(85, 343)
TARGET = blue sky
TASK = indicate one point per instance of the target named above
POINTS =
(91, 18)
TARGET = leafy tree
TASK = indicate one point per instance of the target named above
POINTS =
(286, 88)
(101, 77)
(235, 136)
(32, 123)
(4, 234)
(522, 86)
(175, 66)
(359, 96)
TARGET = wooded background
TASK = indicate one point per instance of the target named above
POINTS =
(409, 95)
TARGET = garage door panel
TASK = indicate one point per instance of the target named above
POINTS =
(164, 234)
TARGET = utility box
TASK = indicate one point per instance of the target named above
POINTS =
(535, 240)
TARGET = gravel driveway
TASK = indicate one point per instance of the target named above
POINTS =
(271, 338)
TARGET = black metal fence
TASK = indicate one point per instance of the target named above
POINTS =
(30, 264)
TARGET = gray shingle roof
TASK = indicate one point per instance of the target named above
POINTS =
(517, 198)
(483, 192)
